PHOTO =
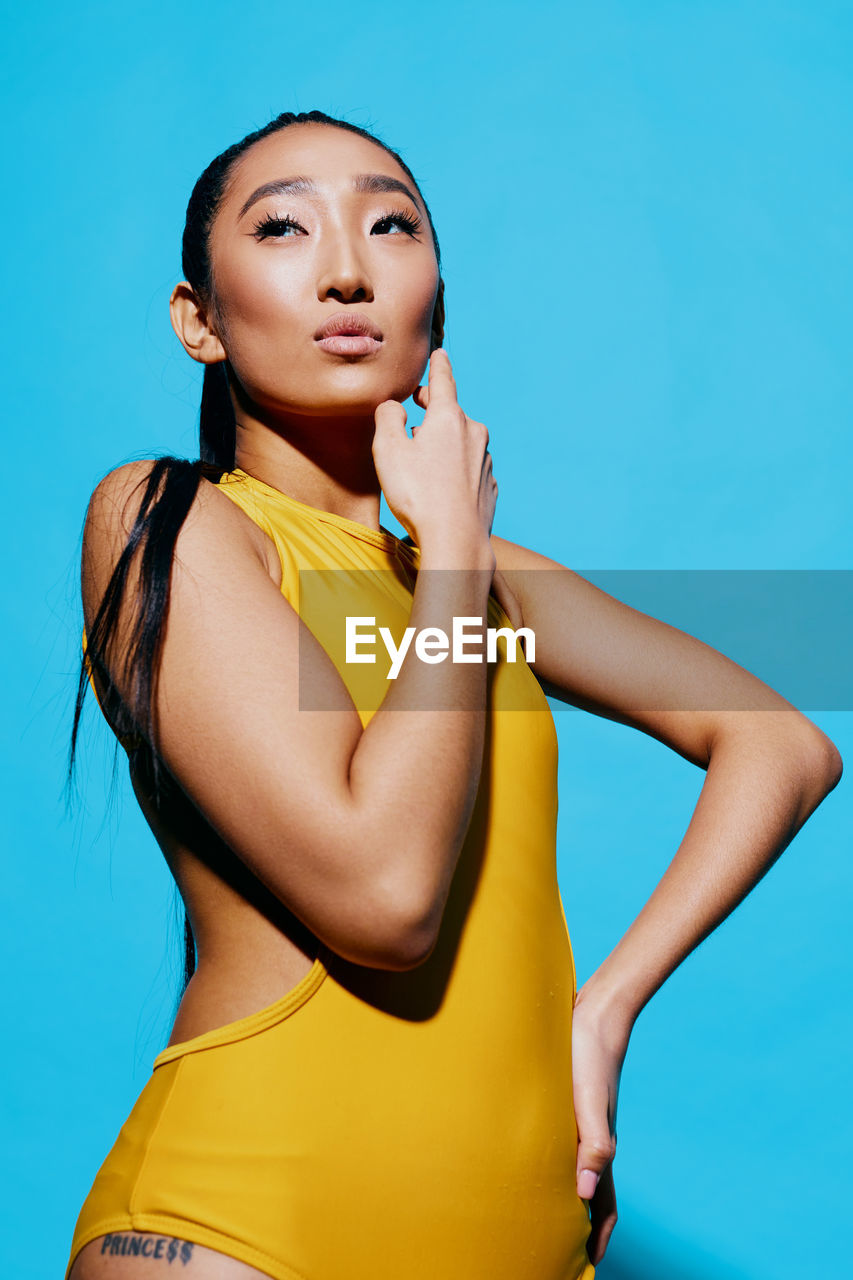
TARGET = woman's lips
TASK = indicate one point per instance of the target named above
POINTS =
(349, 344)
(349, 333)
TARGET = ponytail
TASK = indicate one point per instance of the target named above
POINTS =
(170, 490)
(217, 425)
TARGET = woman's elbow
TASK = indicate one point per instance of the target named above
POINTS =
(397, 950)
(827, 765)
(821, 767)
(394, 930)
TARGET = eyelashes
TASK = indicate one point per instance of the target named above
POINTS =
(408, 221)
(272, 226)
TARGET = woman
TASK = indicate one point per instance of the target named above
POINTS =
(368, 1074)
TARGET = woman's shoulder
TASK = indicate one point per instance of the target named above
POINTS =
(132, 487)
(125, 488)
(114, 493)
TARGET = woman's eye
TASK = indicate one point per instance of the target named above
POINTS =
(399, 218)
(275, 227)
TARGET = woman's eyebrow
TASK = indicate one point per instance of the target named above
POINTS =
(363, 182)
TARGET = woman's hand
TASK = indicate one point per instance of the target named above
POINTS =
(598, 1051)
(439, 482)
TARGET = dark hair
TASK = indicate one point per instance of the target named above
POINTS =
(170, 488)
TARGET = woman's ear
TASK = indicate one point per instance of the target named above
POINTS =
(191, 324)
(437, 331)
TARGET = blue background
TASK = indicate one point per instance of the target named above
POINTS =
(645, 215)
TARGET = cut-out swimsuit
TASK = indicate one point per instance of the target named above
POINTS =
(379, 1125)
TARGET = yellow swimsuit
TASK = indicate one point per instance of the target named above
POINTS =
(376, 1125)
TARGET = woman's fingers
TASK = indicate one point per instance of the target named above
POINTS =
(598, 1052)
(441, 384)
(595, 1090)
(444, 473)
(595, 1152)
(390, 419)
(596, 1071)
(440, 379)
(603, 1217)
(420, 395)
(596, 1137)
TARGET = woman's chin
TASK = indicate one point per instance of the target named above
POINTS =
(356, 400)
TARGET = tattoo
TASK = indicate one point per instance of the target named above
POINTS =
(128, 1245)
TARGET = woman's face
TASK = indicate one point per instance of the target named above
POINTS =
(344, 233)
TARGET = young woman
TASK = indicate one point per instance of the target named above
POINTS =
(381, 1067)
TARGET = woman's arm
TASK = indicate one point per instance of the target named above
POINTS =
(767, 769)
(763, 781)
(341, 823)
(768, 766)
(357, 831)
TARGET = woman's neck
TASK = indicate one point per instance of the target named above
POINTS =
(325, 462)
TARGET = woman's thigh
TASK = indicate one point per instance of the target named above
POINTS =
(156, 1257)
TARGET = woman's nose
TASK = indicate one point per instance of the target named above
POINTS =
(344, 274)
